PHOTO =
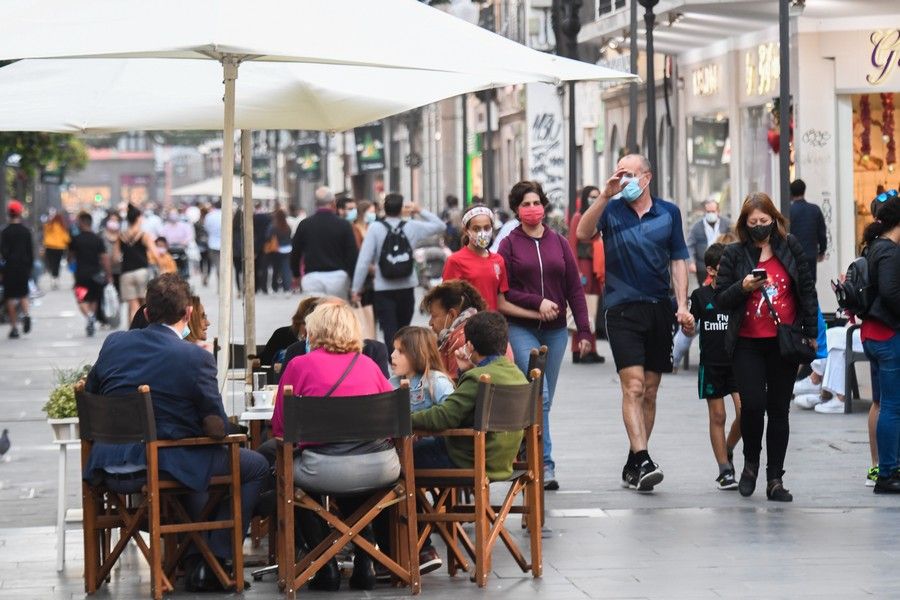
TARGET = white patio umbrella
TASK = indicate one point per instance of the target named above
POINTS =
(400, 34)
(213, 187)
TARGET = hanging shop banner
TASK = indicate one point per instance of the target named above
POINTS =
(546, 141)
(709, 137)
(370, 147)
(309, 157)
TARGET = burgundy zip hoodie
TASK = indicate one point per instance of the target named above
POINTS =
(540, 268)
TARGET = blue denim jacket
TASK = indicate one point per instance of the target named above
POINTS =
(420, 390)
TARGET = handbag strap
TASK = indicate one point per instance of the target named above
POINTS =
(762, 291)
(343, 376)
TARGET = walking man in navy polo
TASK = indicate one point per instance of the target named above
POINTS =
(646, 258)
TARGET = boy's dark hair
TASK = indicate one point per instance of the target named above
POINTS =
(163, 240)
(168, 297)
(488, 333)
(798, 188)
(393, 204)
(713, 255)
(342, 202)
(85, 219)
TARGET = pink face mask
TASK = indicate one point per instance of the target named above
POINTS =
(531, 215)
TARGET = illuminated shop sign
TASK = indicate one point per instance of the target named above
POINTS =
(762, 69)
(885, 55)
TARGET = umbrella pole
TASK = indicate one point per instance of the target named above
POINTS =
(230, 71)
(249, 257)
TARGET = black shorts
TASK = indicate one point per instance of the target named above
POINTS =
(716, 381)
(640, 335)
(94, 289)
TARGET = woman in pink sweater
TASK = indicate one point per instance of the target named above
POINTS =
(347, 469)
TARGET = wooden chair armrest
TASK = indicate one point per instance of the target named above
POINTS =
(201, 441)
(446, 433)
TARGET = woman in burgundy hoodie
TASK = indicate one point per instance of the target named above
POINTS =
(543, 276)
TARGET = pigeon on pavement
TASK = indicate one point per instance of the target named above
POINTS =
(4, 442)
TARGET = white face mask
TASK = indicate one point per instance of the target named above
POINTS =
(482, 239)
(711, 218)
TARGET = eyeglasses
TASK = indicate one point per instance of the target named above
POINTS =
(885, 196)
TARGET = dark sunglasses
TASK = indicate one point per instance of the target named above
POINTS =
(885, 196)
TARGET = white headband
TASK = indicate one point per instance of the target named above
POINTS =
(476, 211)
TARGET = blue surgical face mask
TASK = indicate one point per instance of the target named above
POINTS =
(306, 347)
(351, 214)
(186, 331)
(632, 190)
(370, 217)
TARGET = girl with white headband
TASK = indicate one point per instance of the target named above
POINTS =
(474, 263)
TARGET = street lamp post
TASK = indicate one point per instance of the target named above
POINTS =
(570, 25)
(651, 151)
(631, 136)
(784, 105)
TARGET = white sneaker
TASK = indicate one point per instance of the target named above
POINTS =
(807, 401)
(832, 406)
(806, 386)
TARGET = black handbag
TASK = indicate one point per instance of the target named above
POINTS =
(793, 346)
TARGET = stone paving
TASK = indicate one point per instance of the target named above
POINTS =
(687, 540)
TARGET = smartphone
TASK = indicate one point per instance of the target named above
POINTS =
(759, 273)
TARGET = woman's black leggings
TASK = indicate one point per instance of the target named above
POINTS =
(765, 382)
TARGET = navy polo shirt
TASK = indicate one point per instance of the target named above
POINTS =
(639, 251)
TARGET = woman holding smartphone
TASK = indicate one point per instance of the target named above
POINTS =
(766, 263)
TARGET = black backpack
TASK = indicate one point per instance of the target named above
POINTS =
(857, 292)
(396, 259)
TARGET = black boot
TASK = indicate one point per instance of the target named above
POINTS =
(363, 577)
(328, 579)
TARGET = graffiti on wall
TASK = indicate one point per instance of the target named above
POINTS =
(546, 142)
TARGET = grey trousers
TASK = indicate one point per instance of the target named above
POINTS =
(347, 474)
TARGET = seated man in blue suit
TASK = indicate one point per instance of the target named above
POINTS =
(186, 402)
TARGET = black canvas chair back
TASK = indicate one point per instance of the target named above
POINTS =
(237, 355)
(346, 419)
(124, 419)
(501, 408)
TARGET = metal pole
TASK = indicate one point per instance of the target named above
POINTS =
(573, 150)
(631, 136)
(651, 150)
(465, 154)
(230, 69)
(488, 166)
(784, 106)
(325, 156)
(249, 258)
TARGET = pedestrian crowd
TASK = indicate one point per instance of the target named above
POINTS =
(622, 273)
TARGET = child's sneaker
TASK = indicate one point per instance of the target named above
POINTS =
(872, 476)
(726, 481)
(806, 386)
(807, 401)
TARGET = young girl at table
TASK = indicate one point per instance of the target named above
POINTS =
(416, 357)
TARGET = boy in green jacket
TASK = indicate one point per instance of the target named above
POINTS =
(484, 352)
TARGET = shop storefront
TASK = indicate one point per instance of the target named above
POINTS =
(845, 140)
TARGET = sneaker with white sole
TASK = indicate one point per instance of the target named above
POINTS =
(872, 476)
(806, 386)
(649, 475)
(833, 406)
(807, 401)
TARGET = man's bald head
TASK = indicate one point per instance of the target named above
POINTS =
(635, 163)
(324, 197)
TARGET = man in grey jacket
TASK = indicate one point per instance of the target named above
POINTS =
(702, 234)
(394, 300)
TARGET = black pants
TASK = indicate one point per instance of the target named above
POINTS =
(765, 382)
(53, 257)
(813, 265)
(238, 272)
(394, 309)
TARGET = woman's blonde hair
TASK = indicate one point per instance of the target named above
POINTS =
(334, 328)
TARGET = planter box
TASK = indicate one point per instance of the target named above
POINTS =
(64, 429)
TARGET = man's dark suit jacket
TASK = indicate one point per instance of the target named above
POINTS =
(183, 386)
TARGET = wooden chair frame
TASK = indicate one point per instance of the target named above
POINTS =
(445, 514)
(158, 510)
(400, 498)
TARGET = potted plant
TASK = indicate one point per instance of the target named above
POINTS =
(62, 412)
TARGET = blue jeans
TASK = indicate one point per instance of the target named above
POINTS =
(886, 357)
(523, 340)
(431, 453)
